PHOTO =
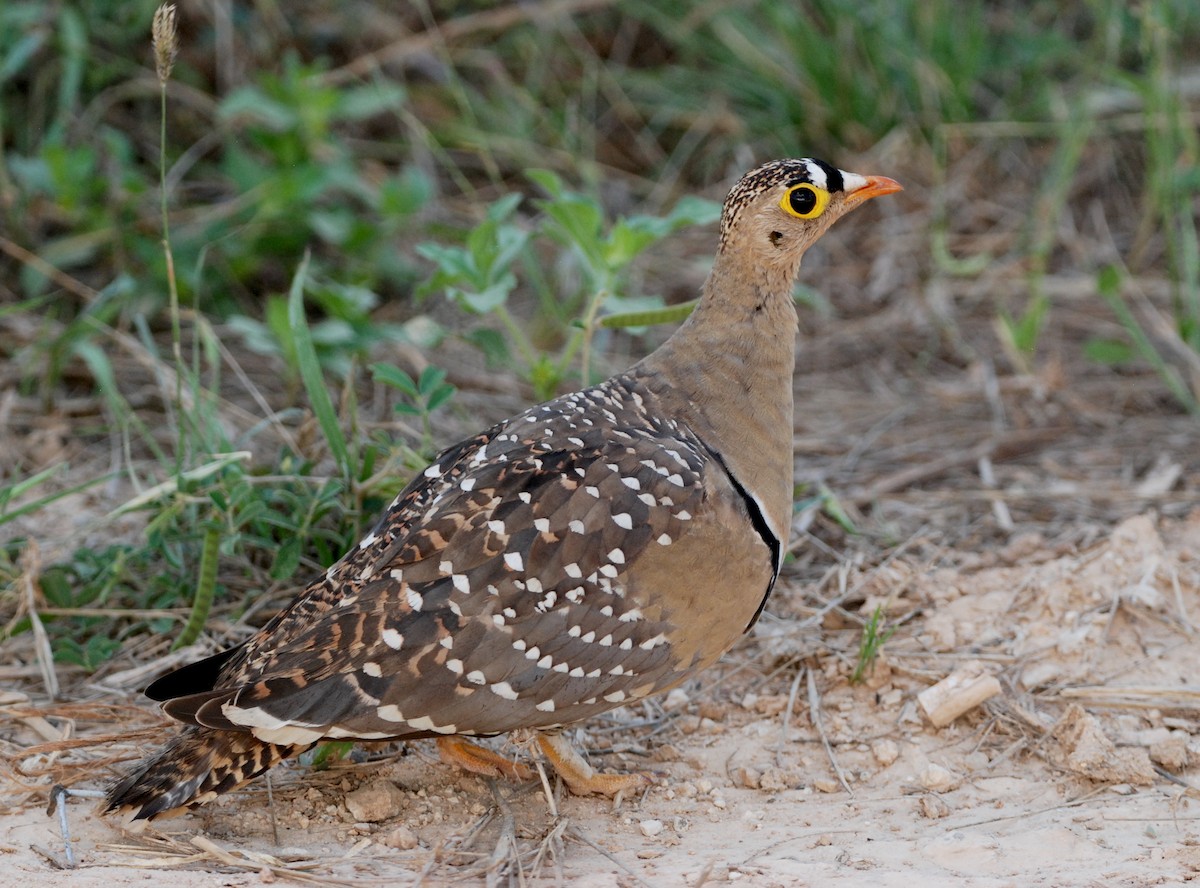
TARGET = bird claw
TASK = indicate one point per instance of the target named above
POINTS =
(580, 777)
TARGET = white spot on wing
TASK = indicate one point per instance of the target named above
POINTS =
(392, 639)
(503, 689)
(425, 723)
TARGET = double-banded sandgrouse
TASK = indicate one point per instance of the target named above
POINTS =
(592, 551)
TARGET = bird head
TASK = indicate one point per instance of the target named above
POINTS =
(777, 211)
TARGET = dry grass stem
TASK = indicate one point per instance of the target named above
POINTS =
(814, 714)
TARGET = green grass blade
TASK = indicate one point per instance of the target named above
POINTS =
(311, 375)
(12, 491)
(1109, 285)
(172, 485)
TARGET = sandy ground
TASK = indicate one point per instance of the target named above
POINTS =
(1076, 773)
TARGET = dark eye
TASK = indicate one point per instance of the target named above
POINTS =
(802, 201)
(805, 201)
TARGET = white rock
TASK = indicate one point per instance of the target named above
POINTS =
(885, 751)
(651, 828)
(375, 802)
(676, 699)
(935, 778)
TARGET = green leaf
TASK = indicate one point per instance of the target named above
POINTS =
(486, 300)
(440, 396)
(493, 345)
(251, 103)
(549, 181)
(503, 208)
(403, 194)
(287, 559)
(363, 102)
(577, 222)
(395, 377)
(22, 52)
(692, 210)
(431, 377)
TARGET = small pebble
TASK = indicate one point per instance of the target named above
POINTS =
(748, 777)
(933, 807)
(935, 778)
(651, 828)
(375, 802)
(885, 751)
(401, 838)
(1171, 753)
(676, 699)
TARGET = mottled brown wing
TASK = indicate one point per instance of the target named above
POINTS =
(492, 595)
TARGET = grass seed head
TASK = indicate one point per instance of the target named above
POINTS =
(165, 39)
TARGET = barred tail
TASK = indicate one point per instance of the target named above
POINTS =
(198, 765)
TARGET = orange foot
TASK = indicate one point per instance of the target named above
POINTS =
(579, 776)
(474, 758)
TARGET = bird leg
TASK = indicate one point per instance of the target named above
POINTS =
(474, 758)
(580, 777)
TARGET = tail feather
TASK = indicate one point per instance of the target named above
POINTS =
(196, 766)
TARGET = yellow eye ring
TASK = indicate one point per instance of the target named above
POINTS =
(804, 201)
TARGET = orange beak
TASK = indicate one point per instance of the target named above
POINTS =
(876, 185)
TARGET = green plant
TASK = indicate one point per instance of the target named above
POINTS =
(594, 258)
(425, 394)
(825, 500)
(1110, 287)
(874, 636)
